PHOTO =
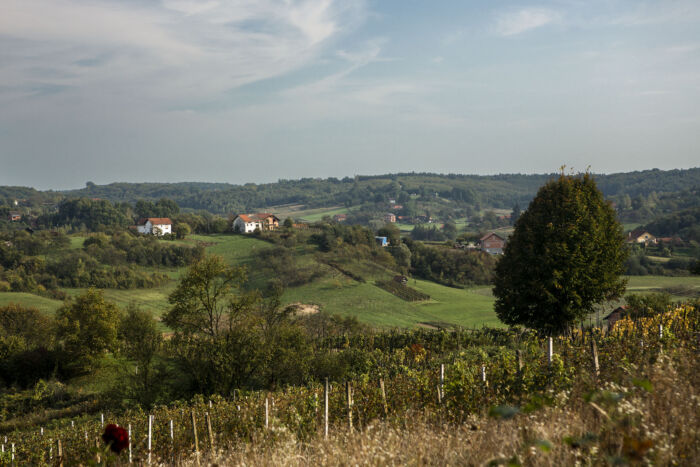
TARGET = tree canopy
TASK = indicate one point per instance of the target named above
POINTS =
(566, 254)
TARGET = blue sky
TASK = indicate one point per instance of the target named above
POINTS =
(257, 90)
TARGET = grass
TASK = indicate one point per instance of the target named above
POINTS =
(237, 250)
(153, 300)
(649, 283)
(374, 306)
(43, 304)
(308, 215)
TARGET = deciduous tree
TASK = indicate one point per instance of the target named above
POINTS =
(566, 254)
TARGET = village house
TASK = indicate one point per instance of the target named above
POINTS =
(493, 243)
(616, 315)
(154, 226)
(640, 236)
(340, 217)
(247, 223)
(389, 217)
(382, 241)
(14, 216)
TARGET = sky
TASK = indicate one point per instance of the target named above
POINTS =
(260, 90)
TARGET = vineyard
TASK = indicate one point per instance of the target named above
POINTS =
(603, 387)
(404, 292)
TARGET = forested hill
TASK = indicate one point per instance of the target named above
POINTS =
(491, 190)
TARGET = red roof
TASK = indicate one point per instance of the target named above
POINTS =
(257, 217)
(155, 221)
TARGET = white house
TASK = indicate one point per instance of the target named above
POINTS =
(154, 225)
(247, 223)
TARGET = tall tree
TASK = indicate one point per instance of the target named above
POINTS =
(204, 299)
(566, 254)
(87, 327)
(140, 342)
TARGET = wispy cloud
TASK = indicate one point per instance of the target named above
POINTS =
(168, 50)
(517, 22)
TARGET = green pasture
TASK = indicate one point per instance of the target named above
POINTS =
(46, 305)
(314, 215)
(377, 307)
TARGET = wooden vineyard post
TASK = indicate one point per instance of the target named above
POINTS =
(441, 390)
(130, 442)
(661, 331)
(594, 353)
(98, 457)
(519, 358)
(102, 420)
(348, 388)
(194, 436)
(13, 453)
(550, 350)
(209, 432)
(383, 389)
(267, 413)
(325, 415)
(150, 436)
(59, 453)
(483, 375)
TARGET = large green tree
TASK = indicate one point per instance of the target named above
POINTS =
(566, 254)
(87, 327)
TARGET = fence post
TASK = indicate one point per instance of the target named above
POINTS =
(483, 374)
(150, 436)
(267, 413)
(348, 387)
(194, 435)
(325, 416)
(661, 331)
(594, 352)
(550, 349)
(381, 386)
(519, 358)
(442, 381)
(130, 442)
(102, 420)
(209, 432)
(59, 453)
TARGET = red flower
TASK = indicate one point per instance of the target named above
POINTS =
(116, 437)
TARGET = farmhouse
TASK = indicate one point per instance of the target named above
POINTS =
(154, 225)
(640, 236)
(389, 217)
(493, 243)
(14, 216)
(247, 223)
(340, 217)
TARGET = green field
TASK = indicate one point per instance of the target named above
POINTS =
(306, 215)
(47, 305)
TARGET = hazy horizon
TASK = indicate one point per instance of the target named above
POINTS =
(256, 91)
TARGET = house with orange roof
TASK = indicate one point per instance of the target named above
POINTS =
(248, 223)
